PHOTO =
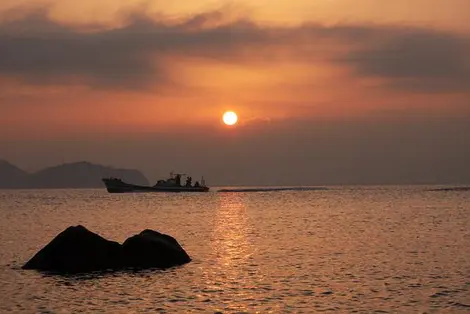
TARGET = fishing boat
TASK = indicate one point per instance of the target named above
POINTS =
(172, 184)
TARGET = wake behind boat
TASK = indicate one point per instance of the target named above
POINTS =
(173, 184)
(271, 189)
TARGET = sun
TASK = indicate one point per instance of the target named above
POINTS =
(230, 118)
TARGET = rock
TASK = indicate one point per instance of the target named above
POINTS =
(153, 249)
(78, 250)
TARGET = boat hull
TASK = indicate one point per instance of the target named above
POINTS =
(117, 186)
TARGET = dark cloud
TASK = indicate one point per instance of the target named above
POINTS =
(40, 51)
(135, 56)
(417, 60)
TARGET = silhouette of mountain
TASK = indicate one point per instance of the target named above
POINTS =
(11, 176)
(71, 175)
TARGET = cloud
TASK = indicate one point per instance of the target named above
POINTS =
(139, 55)
(417, 59)
(39, 50)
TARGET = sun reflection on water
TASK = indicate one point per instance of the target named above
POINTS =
(230, 235)
(232, 240)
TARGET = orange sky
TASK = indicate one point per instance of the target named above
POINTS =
(309, 62)
(74, 68)
(450, 14)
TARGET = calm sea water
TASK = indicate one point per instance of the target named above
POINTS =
(369, 249)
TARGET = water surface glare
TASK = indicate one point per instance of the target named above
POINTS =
(346, 249)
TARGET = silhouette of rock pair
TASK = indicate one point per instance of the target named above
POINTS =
(78, 250)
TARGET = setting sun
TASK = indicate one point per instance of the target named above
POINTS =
(230, 118)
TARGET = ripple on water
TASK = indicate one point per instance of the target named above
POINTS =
(374, 250)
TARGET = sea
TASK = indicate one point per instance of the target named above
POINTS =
(356, 249)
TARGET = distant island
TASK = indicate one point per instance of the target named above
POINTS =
(66, 176)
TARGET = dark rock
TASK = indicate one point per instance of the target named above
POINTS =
(78, 250)
(153, 249)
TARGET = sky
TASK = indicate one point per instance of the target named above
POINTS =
(327, 91)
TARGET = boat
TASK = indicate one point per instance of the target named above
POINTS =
(172, 184)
